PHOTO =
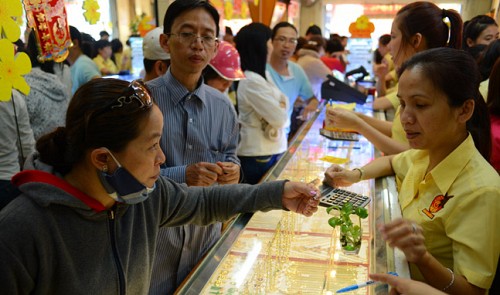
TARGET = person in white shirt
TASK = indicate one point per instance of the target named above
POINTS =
(263, 108)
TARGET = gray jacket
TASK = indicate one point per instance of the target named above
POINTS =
(52, 243)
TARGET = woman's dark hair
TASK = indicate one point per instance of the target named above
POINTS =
(313, 30)
(455, 73)
(116, 47)
(474, 27)
(282, 25)
(493, 100)
(488, 59)
(92, 123)
(88, 45)
(476, 51)
(100, 44)
(377, 57)
(334, 45)
(301, 41)
(33, 52)
(315, 43)
(384, 39)
(251, 43)
(427, 19)
(209, 74)
(179, 6)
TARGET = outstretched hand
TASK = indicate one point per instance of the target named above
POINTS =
(301, 198)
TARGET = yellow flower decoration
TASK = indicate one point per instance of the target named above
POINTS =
(11, 70)
(10, 11)
(91, 14)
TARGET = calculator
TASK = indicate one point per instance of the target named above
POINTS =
(339, 135)
(335, 196)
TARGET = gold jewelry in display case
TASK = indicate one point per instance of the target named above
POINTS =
(281, 252)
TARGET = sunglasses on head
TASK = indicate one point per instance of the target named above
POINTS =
(136, 92)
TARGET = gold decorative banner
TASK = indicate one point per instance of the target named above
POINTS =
(49, 20)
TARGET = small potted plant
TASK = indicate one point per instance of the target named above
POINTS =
(350, 233)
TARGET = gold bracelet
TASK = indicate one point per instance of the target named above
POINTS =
(452, 280)
(361, 173)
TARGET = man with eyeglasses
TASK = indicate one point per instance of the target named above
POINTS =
(200, 133)
(289, 77)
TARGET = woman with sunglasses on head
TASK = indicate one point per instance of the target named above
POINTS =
(417, 27)
(448, 192)
(93, 199)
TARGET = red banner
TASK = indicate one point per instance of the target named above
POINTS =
(49, 20)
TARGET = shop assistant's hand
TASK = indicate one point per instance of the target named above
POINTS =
(407, 236)
(336, 176)
(342, 118)
(309, 110)
(231, 173)
(405, 286)
(202, 174)
(381, 70)
(301, 198)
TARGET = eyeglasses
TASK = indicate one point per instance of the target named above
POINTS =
(190, 38)
(137, 92)
(284, 40)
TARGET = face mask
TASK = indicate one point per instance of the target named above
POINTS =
(123, 187)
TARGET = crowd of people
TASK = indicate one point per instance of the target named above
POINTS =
(127, 185)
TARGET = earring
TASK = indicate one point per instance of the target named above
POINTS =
(104, 168)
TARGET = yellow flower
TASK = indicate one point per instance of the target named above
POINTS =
(10, 11)
(11, 70)
(91, 14)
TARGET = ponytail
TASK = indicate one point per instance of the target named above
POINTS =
(456, 26)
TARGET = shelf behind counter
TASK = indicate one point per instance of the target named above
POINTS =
(281, 252)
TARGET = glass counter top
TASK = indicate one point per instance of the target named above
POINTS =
(281, 252)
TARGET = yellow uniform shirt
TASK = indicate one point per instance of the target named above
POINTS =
(458, 206)
(397, 131)
(392, 96)
(105, 64)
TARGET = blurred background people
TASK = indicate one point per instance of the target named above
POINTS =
(104, 35)
(82, 68)
(263, 108)
(313, 30)
(103, 58)
(309, 60)
(48, 98)
(120, 57)
(156, 60)
(330, 59)
(17, 143)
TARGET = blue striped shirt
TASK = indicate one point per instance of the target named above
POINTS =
(199, 126)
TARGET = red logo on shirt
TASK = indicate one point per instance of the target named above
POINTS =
(436, 205)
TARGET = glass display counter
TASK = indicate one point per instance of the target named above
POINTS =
(281, 252)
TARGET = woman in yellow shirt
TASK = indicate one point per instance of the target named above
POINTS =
(103, 58)
(448, 192)
(417, 27)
